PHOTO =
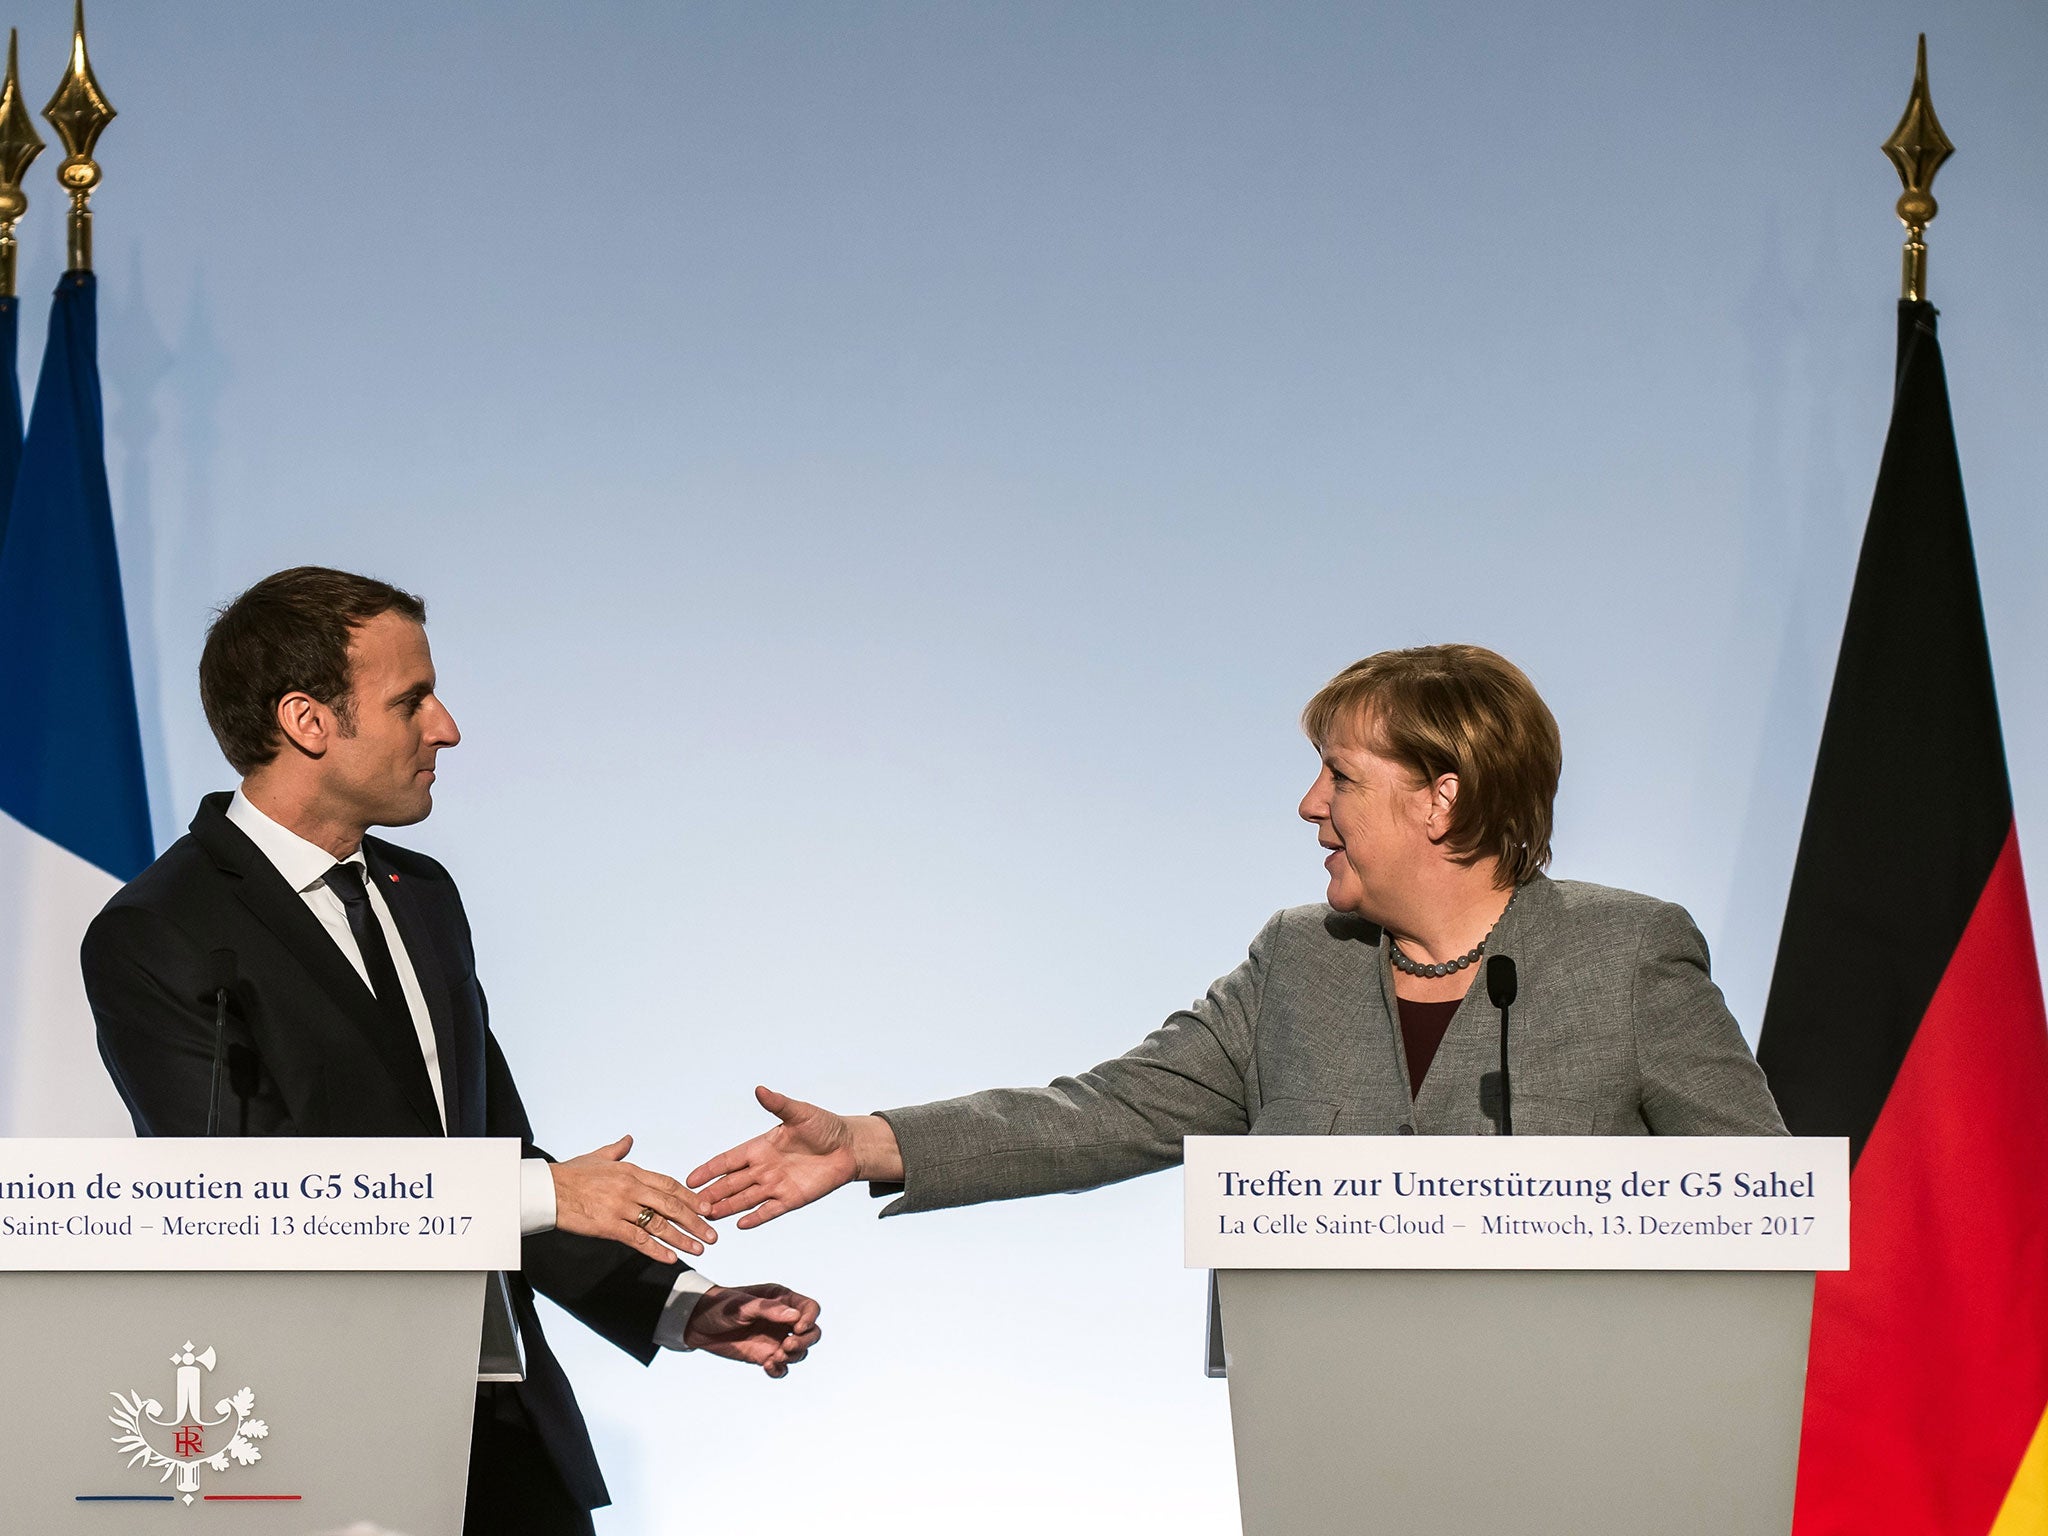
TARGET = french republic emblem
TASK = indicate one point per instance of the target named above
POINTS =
(188, 1440)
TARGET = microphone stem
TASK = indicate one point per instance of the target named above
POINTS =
(1507, 1113)
(220, 1052)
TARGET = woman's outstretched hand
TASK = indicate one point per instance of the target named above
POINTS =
(808, 1155)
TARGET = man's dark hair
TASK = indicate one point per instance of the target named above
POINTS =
(287, 634)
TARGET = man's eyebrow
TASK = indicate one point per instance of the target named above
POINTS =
(417, 692)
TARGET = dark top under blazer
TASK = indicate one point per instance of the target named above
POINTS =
(1618, 1030)
(330, 1065)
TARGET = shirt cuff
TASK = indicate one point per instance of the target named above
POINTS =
(681, 1305)
(536, 1197)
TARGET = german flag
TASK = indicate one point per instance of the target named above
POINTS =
(1905, 1013)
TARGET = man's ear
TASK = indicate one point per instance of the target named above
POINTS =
(306, 723)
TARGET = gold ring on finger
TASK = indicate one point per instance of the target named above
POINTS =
(645, 1219)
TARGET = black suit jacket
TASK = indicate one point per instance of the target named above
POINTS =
(329, 1065)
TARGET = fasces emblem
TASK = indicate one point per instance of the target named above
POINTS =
(189, 1439)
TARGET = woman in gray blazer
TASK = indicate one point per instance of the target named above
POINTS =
(1363, 1015)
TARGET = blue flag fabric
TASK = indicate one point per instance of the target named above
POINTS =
(70, 740)
(10, 406)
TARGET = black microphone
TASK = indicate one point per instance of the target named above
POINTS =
(1500, 991)
(220, 980)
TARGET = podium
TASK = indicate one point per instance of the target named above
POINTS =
(1570, 1336)
(278, 1336)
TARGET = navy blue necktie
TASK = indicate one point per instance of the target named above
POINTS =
(346, 881)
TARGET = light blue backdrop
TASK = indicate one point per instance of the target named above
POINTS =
(886, 477)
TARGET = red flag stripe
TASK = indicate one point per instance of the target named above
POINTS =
(1929, 1368)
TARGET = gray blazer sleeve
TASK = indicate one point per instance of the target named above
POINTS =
(1696, 1073)
(1124, 1118)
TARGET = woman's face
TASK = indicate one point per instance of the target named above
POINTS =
(1376, 822)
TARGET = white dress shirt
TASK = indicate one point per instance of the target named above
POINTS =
(304, 866)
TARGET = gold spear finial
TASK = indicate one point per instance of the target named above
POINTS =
(19, 146)
(1917, 147)
(79, 111)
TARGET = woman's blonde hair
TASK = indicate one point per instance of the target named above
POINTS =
(1459, 709)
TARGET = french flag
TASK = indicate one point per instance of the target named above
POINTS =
(74, 807)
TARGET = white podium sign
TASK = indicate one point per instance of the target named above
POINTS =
(234, 1203)
(1517, 1202)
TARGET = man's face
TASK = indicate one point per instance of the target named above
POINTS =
(382, 773)
(1374, 819)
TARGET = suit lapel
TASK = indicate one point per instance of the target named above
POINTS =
(1390, 1007)
(399, 896)
(280, 909)
(1347, 1025)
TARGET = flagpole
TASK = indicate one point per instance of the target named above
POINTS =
(1917, 147)
(79, 111)
(19, 146)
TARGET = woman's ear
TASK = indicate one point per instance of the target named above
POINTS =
(1443, 802)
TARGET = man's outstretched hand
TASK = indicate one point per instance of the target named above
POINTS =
(601, 1195)
(810, 1154)
(766, 1325)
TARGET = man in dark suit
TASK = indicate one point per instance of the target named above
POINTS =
(355, 1010)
